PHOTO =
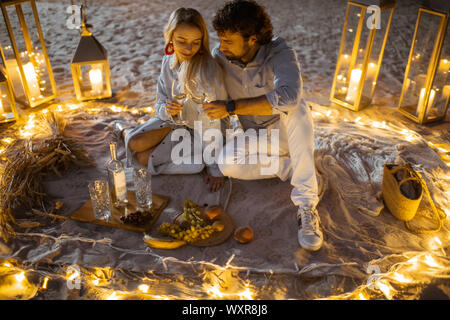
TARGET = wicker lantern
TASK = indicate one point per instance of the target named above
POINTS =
(364, 36)
(24, 53)
(7, 105)
(426, 85)
(90, 67)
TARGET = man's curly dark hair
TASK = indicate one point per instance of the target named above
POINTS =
(246, 17)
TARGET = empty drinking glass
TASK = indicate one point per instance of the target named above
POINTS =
(143, 187)
(99, 192)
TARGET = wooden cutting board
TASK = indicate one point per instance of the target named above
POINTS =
(86, 213)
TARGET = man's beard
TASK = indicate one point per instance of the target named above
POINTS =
(232, 57)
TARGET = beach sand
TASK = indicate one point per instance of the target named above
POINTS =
(350, 149)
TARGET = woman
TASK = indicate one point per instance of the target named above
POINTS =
(188, 63)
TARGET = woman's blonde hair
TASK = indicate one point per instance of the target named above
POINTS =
(202, 63)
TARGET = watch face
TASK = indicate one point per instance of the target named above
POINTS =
(231, 106)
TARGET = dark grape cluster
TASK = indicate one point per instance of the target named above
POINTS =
(137, 218)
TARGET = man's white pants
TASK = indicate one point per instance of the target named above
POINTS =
(295, 154)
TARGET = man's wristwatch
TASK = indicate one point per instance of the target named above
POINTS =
(231, 107)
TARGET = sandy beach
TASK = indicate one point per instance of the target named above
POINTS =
(351, 149)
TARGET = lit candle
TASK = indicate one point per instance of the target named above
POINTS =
(408, 83)
(96, 78)
(371, 70)
(345, 58)
(355, 78)
(32, 81)
(444, 65)
(446, 91)
(421, 103)
(13, 72)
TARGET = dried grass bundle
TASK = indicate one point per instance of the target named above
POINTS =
(28, 160)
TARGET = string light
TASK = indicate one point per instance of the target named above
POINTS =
(143, 288)
(401, 278)
(44, 284)
(431, 262)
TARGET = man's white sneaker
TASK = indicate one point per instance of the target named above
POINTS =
(310, 237)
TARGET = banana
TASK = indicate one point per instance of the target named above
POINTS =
(159, 243)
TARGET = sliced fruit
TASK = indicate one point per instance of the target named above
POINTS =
(243, 234)
(213, 211)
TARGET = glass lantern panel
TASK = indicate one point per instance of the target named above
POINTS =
(6, 113)
(10, 59)
(37, 54)
(31, 55)
(357, 70)
(440, 94)
(343, 73)
(373, 62)
(414, 88)
(93, 80)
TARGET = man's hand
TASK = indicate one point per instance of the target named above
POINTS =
(173, 107)
(215, 109)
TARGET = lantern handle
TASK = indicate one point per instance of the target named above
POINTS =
(84, 26)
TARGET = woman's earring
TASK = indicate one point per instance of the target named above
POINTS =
(169, 50)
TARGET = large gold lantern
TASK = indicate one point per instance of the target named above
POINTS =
(426, 86)
(90, 67)
(364, 36)
(24, 53)
(7, 104)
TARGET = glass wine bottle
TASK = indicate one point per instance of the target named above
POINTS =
(116, 178)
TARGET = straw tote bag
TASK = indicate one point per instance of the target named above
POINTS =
(402, 191)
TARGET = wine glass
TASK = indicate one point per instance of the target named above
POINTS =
(180, 97)
(200, 98)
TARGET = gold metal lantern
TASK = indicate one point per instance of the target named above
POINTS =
(90, 67)
(426, 85)
(7, 104)
(25, 54)
(364, 36)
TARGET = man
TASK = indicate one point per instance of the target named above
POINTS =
(262, 77)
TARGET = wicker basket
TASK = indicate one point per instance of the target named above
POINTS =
(401, 204)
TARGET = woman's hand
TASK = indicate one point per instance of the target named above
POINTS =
(173, 107)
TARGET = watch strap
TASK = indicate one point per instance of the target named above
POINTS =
(231, 107)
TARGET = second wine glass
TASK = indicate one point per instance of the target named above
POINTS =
(200, 98)
(180, 97)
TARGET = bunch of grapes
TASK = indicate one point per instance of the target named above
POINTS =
(137, 218)
(189, 235)
(192, 228)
